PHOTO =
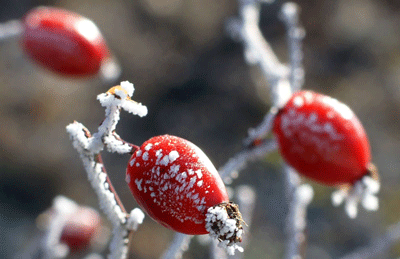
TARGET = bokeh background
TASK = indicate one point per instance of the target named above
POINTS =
(196, 85)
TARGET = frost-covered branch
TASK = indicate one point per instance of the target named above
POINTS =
(10, 29)
(378, 245)
(178, 246)
(295, 35)
(231, 169)
(89, 146)
(283, 82)
(62, 209)
(299, 197)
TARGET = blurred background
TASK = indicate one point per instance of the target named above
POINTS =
(196, 85)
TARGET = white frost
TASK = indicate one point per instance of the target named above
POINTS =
(148, 147)
(173, 155)
(139, 184)
(363, 191)
(165, 160)
(135, 219)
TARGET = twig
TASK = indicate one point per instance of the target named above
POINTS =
(299, 197)
(89, 147)
(10, 29)
(378, 245)
(283, 82)
(178, 246)
(295, 35)
(230, 170)
(258, 51)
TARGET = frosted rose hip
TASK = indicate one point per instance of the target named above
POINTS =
(63, 41)
(175, 182)
(81, 229)
(322, 139)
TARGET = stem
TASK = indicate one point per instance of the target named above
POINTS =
(231, 169)
(89, 148)
(295, 35)
(10, 29)
(378, 245)
(110, 186)
(299, 196)
(178, 246)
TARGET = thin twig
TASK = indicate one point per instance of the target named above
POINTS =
(258, 51)
(283, 83)
(299, 197)
(10, 29)
(230, 170)
(295, 34)
(378, 246)
(178, 246)
(89, 148)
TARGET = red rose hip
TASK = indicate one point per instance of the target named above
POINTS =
(81, 229)
(323, 140)
(64, 42)
(178, 186)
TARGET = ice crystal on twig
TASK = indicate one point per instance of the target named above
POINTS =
(231, 169)
(88, 147)
(299, 197)
(179, 245)
(283, 81)
(62, 209)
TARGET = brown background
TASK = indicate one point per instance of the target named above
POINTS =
(196, 85)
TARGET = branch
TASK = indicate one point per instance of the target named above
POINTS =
(10, 29)
(231, 169)
(378, 245)
(295, 34)
(299, 197)
(283, 82)
(178, 246)
(89, 147)
(258, 51)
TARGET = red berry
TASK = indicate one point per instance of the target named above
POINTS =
(175, 183)
(322, 139)
(81, 228)
(63, 41)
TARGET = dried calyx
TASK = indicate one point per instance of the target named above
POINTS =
(363, 191)
(224, 223)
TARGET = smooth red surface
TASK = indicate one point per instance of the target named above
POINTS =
(63, 41)
(322, 139)
(172, 194)
(81, 228)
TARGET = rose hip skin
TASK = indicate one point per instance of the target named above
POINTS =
(322, 139)
(81, 228)
(63, 41)
(175, 183)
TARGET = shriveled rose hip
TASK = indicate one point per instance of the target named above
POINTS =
(63, 41)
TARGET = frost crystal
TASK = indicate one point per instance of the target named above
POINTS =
(135, 219)
(223, 222)
(363, 191)
(89, 147)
